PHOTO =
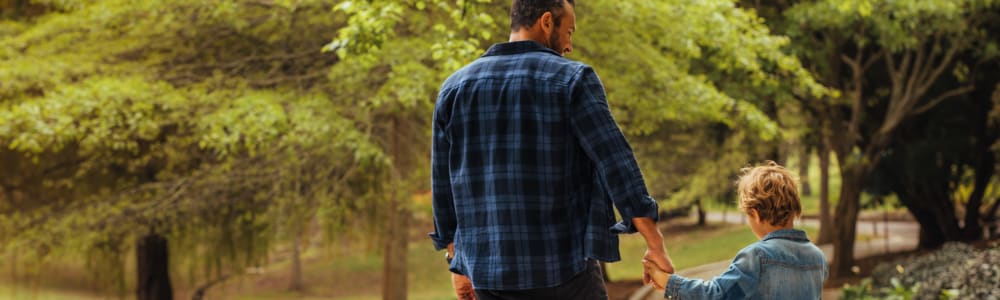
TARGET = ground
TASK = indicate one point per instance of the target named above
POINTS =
(621, 290)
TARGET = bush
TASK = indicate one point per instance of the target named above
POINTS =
(954, 271)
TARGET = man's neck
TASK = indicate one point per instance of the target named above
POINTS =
(525, 35)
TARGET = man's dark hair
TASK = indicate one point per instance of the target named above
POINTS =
(524, 13)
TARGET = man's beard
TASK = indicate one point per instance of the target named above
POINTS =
(555, 42)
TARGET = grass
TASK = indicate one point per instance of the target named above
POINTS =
(349, 274)
(11, 292)
(352, 273)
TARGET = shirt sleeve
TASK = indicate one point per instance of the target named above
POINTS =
(741, 276)
(442, 201)
(606, 146)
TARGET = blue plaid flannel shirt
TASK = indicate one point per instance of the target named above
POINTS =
(526, 164)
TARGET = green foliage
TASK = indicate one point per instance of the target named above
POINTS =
(666, 70)
(694, 71)
(895, 25)
(230, 126)
(211, 123)
(897, 291)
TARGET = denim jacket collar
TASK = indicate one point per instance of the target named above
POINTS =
(517, 48)
(787, 234)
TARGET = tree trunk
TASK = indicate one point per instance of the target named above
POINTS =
(928, 198)
(152, 267)
(846, 223)
(991, 213)
(701, 213)
(991, 217)
(774, 153)
(938, 224)
(984, 169)
(825, 226)
(804, 171)
(394, 260)
(973, 229)
(985, 162)
(296, 280)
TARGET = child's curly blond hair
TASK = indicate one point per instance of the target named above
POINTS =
(771, 191)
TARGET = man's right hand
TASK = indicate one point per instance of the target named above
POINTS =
(463, 287)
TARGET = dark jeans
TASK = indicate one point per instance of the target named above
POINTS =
(588, 285)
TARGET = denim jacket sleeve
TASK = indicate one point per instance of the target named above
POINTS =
(743, 275)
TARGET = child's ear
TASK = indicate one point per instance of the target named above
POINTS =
(752, 214)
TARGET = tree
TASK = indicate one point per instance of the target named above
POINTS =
(691, 55)
(935, 169)
(914, 44)
(141, 129)
(180, 122)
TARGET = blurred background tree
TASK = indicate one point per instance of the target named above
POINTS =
(894, 61)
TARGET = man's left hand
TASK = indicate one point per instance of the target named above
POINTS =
(463, 287)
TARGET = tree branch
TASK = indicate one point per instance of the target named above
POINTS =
(942, 65)
(919, 65)
(857, 78)
(942, 97)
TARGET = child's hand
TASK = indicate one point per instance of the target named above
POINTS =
(660, 278)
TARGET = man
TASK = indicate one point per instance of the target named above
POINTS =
(527, 162)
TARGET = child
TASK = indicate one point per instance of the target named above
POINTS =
(782, 265)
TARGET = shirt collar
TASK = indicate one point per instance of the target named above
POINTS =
(787, 234)
(517, 48)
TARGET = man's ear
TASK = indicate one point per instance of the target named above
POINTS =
(546, 22)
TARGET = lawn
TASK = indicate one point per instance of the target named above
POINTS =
(353, 273)
(8, 291)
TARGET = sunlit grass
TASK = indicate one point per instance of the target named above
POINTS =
(8, 291)
(351, 273)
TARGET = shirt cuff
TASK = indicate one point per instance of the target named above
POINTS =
(439, 242)
(673, 290)
(645, 207)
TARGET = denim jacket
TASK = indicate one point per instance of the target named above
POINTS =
(783, 265)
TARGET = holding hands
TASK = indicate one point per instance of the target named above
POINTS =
(657, 276)
(656, 267)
